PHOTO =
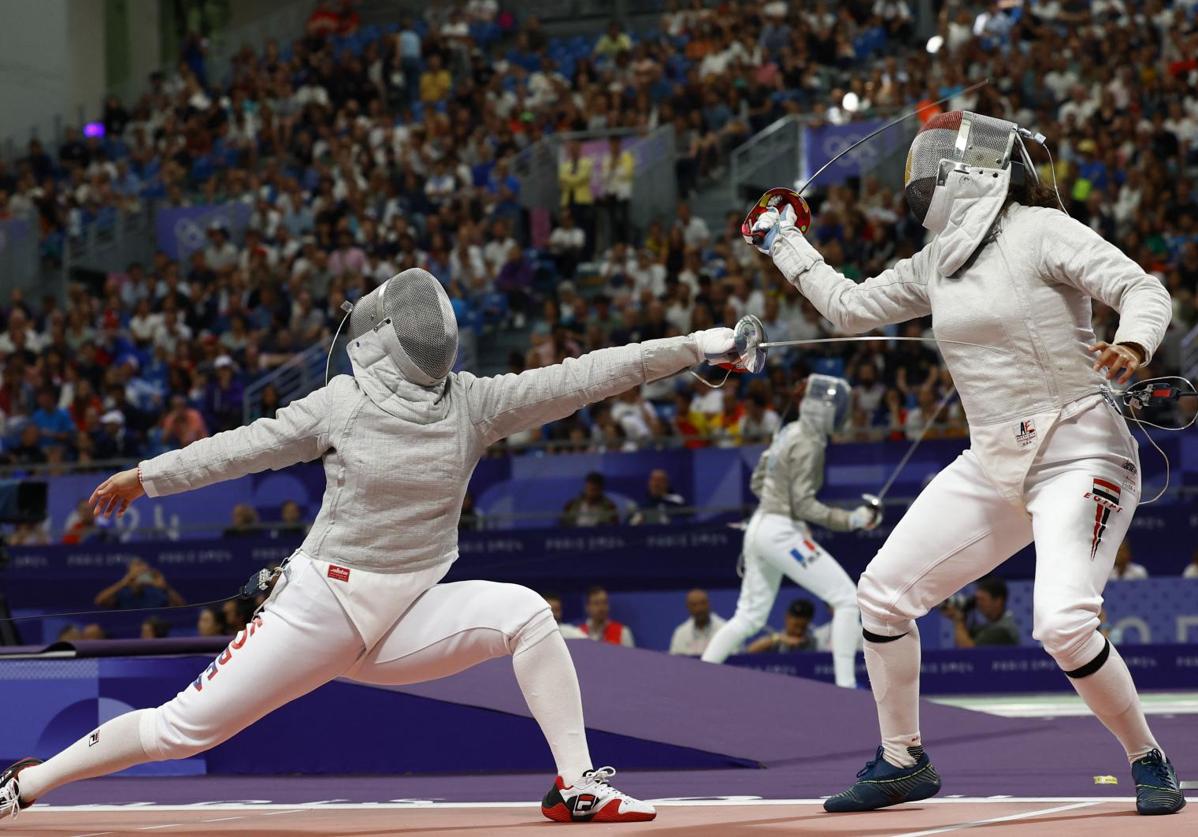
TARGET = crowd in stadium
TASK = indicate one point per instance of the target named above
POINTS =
(364, 150)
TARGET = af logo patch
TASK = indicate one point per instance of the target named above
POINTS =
(1026, 433)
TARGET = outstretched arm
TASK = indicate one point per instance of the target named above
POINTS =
(507, 404)
(299, 433)
(893, 296)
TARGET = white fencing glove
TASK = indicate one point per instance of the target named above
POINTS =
(791, 251)
(717, 346)
(864, 517)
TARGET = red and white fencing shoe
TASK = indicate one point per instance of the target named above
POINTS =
(593, 799)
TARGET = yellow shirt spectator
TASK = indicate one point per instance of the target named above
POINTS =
(434, 85)
(574, 178)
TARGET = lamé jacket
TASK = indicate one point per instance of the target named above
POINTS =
(397, 456)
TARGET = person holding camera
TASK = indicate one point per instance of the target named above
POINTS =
(984, 619)
(141, 586)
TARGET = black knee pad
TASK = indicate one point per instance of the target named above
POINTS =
(1094, 664)
(870, 636)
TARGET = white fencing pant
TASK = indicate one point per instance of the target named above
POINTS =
(303, 639)
(777, 546)
(1080, 495)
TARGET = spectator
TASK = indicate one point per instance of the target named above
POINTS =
(221, 252)
(471, 519)
(236, 614)
(695, 232)
(592, 507)
(636, 417)
(182, 425)
(155, 627)
(1191, 570)
(567, 243)
(211, 623)
(691, 637)
(1125, 569)
(112, 440)
(613, 42)
(142, 586)
(245, 522)
(795, 636)
(53, 423)
(618, 171)
(568, 631)
(28, 450)
(93, 632)
(662, 505)
(223, 397)
(574, 180)
(82, 526)
(291, 521)
(435, 81)
(984, 620)
(759, 422)
(599, 625)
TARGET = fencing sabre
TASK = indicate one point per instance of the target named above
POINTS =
(875, 500)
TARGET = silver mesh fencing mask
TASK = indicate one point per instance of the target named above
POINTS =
(413, 316)
(947, 142)
(826, 403)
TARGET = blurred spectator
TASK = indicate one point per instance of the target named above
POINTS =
(112, 440)
(1125, 569)
(471, 519)
(619, 171)
(599, 625)
(613, 42)
(795, 636)
(142, 586)
(245, 522)
(567, 244)
(70, 633)
(636, 417)
(28, 449)
(182, 425)
(210, 623)
(82, 526)
(236, 613)
(759, 422)
(568, 631)
(93, 632)
(574, 176)
(691, 637)
(1191, 570)
(155, 627)
(53, 423)
(662, 505)
(291, 522)
(984, 620)
(592, 507)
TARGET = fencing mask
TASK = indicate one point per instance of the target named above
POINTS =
(826, 403)
(413, 317)
(955, 154)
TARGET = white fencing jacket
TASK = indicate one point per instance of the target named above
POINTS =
(1027, 291)
(397, 456)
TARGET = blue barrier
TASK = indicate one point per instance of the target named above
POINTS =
(997, 670)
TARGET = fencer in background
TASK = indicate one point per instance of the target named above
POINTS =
(778, 542)
(360, 598)
(1051, 459)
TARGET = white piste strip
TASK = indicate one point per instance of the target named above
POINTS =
(1009, 818)
(219, 807)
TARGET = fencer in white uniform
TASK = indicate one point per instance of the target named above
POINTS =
(360, 598)
(1051, 460)
(778, 542)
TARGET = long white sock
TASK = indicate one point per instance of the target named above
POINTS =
(1111, 695)
(547, 678)
(894, 677)
(727, 639)
(113, 747)
(846, 627)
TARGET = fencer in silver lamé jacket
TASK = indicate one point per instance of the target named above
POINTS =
(790, 473)
(397, 456)
(1027, 291)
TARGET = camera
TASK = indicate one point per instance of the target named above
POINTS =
(960, 601)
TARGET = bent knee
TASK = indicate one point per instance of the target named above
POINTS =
(167, 734)
(1070, 636)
